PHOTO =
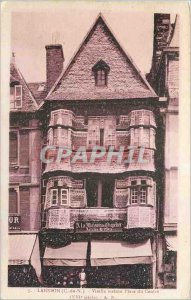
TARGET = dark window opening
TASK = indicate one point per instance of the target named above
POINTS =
(13, 147)
(107, 193)
(101, 137)
(99, 192)
(13, 202)
(91, 190)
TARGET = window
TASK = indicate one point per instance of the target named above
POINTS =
(100, 192)
(93, 132)
(143, 195)
(18, 96)
(100, 70)
(101, 78)
(91, 191)
(134, 195)
(101, 137)
(138, 192)
(13, 147)
(64, 197)
(24, 148)
(13, 201)
(55, 134)
(54, 197)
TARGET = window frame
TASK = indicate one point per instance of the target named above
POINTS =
(16, 98)
(16, 188)
(18, 148)
(44, 183)
(101, 70)
(101, 77)
(67, 198)
(52, 191)
(138, 188)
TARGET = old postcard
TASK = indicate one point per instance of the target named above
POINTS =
(95, 140)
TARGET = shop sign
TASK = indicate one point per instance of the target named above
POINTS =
(14, 222)
(99, 226)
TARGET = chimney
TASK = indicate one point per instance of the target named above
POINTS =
(54, 63)
(161, 34)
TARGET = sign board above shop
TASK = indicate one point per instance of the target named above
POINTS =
(99, 226)
(14, 222)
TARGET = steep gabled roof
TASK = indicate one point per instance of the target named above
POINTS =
(38, 90)
(174, 40)
(125, 80)
(29, 103)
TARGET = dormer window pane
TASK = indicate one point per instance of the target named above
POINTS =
(101, 78)
(101, 70)
(18, 96)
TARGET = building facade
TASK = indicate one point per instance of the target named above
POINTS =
(91, 183)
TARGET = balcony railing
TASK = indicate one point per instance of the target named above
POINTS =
(131, 217)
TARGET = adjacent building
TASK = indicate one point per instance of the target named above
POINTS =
(91, 170)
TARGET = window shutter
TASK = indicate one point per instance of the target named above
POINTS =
(64, 197)
(13, 147)
(13, 202)
(110, 131)
(18, 96)
(151, 195)
(128, 196)
(25, 208)
(24, 148)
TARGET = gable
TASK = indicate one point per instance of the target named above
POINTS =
(174, 42)
(28, 101)
(124, 79)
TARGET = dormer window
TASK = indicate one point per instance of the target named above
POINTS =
(16, 95)
(101, 70)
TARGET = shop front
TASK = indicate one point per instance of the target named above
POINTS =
(170, 261)
(107, 264)
(24, 261)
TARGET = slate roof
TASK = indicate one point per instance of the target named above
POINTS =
(29, 103)
(38, 89)
(77, 81)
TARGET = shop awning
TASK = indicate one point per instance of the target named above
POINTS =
(73, 255)
(171, 242)
(110, 253)
(24, 250)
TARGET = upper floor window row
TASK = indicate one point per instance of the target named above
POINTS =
(134, 118)
(16, 96)
(101, 70)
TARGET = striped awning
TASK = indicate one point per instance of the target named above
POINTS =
(171, 242)
(24, 250)
(110, 253)
(73, 255)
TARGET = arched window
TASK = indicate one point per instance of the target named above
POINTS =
(101, 70)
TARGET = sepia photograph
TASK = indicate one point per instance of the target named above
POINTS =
(93, 149)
